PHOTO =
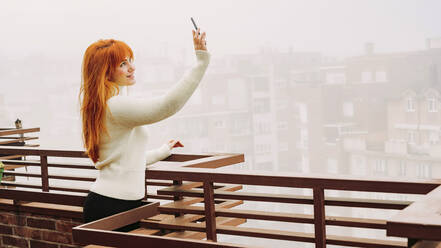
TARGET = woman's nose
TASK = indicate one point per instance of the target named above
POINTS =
(132, 67)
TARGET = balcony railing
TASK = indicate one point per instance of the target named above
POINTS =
(193, 179)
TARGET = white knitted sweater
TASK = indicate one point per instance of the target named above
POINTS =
(122, 154)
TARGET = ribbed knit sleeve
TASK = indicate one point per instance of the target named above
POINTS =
(158, 154)
(131, 112)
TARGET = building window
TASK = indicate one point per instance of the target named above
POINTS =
(424, 171)
(219, 124)
(263, 127)
(434, 137)
(402, 168)
(432, 105)
(282, 125)
(303, 112)
(348, 109)
(304, 137)
(411, 137)
(218, 100)
(261, 84)
(410, 107)
(366, 77)
(332, 166)
(261, 105)
(282, 105)
(263, 149)
(283, 146)
(380, 167)
(380, 76)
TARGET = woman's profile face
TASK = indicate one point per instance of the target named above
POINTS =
(125, 73)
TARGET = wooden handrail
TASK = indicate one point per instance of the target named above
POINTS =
(183, 171)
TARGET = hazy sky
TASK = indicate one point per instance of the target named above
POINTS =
(335, 27)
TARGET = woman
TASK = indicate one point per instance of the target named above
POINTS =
(112, 124)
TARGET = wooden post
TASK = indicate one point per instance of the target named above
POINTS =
(319, 217)
(176, 197)
(44, 173)
(210, 216)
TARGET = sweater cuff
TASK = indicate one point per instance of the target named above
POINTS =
(202, 55)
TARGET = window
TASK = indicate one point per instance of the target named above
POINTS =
(261, 105)
(282, 125)
(263, 127)
(432, 104)
(303, 112)
(411, 137)
(402, 168)
(263, 148)
(380, 76)
(261, 84)
(366, 77)
(434, 137)
(348, 109)
(332, 166)
(282, 105)
(380, 167)
(335, 78)
(304, 137)
(217, 100)
(410, 105)
(283, 146)
(219, 124)
(423, 171)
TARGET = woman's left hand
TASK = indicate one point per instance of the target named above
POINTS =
(174, 143)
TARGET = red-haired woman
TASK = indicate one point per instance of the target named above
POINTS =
(112, 124)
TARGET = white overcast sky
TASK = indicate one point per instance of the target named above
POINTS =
(334, 27)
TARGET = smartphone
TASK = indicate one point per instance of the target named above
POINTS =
(194, 24)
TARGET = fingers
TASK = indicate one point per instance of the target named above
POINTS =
(199, 40)
(175, 143)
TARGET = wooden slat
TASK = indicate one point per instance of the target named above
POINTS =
(372, 184)
(21, 163)
(44, 197)
(73, 178)
(21, 174)
(18, 139)
(275, 216)
(156, 183)
(281, 235)
(69, 189)
(11, 157)
(145, 231)
(23, 185)
(41, 152)
(297, 199)
(363, 242)
(427, 244)
(18, 131)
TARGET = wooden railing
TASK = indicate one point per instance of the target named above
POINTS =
(190, 179)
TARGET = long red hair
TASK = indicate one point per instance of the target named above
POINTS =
(99, 64)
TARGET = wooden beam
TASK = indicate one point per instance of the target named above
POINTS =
(210, 217)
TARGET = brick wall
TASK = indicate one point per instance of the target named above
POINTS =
(36, 230)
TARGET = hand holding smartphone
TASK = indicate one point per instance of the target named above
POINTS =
(199, 40)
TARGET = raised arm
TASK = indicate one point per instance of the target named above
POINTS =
(131, 111)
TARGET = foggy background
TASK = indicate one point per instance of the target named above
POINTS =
(338, 87)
